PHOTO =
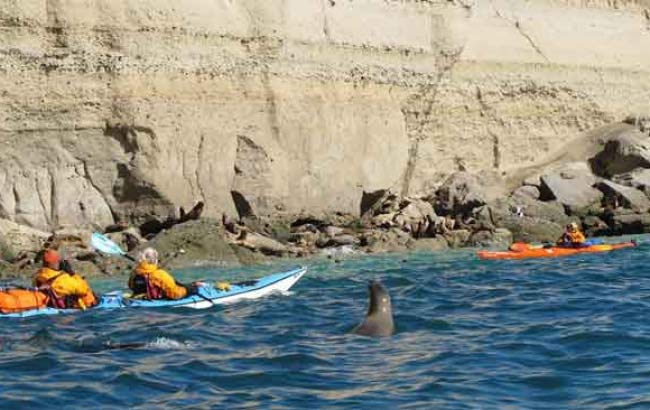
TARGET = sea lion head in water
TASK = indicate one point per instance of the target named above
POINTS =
(379, 319)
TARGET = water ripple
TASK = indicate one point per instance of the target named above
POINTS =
(547, 334)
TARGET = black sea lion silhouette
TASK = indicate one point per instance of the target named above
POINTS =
(379, 319)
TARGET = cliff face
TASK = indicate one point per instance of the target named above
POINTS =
(114, 108)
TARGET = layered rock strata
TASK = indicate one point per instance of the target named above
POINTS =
(116, 109)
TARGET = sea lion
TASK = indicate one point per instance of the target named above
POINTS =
(379, 319)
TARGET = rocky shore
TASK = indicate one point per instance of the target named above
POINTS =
(601, 180)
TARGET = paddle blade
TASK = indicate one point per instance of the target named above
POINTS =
(103, 244)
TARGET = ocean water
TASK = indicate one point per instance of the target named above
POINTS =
(569, 333)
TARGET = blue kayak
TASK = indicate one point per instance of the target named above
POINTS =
(207, 296)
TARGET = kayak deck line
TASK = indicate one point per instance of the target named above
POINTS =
(552, 252)
(208, 297)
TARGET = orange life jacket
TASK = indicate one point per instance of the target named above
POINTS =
(155, 283)
(65, 291)
(19, 300)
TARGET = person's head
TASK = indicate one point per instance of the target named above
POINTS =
(51, 259)
(572, 227)
(149, 255)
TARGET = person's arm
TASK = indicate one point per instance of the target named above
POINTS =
(169, 286)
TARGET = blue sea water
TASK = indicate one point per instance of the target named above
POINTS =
(569, 333)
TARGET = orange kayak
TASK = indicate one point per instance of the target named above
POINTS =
(525, 251)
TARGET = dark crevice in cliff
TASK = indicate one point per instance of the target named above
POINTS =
(14, 191)
(252, 175)
(520, 30)
(272, 108)
(54, 27)
(419, 113)
(187, 179)
(130, 187)
(54, 217)
(326, 26)
(496, 153)
(468, 5)
(127, 136)
(488, 113)
(199, 166)
(243, 207)
(41, 200)
(530, 41)
(49, 129)
(88, 176)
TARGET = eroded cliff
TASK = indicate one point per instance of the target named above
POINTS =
(111, 109)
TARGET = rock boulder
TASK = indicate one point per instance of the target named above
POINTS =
(638, 178)
(17, 238)
(536, 221)
(457, 238)
(627, 197)
(429, 244)
(571, 187)
(528, 191)
(630, 224)
(623, 153)
(463, 191)
(501, 238)
(200, 242)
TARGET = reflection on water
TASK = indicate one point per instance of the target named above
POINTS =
(551, 334)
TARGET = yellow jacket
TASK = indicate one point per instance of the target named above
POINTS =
(576, 237)
(64, 285)
(158, 278)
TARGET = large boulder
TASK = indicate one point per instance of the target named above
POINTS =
(623, 153)
(414, 211)
(630, 224)
(263, 244)
(393, 240)
(409, 214)
(528, 191)
(429, 244)
(571, 186)
(640, 121)
(499, 238)
(342, 240)
(595, 226)
(457, 238)
(200, 242)
(639, 179)
(463, 191)
(627, 197)
(18, 238)
(527, 219)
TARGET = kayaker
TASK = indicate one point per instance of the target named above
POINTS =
(572, 237)
(154, 283)
(65, 290)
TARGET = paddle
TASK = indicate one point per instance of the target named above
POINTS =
(105, 245)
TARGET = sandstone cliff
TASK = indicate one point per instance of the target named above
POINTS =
(116, 108)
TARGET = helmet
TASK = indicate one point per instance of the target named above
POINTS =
(572, 226)
(149, 255)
